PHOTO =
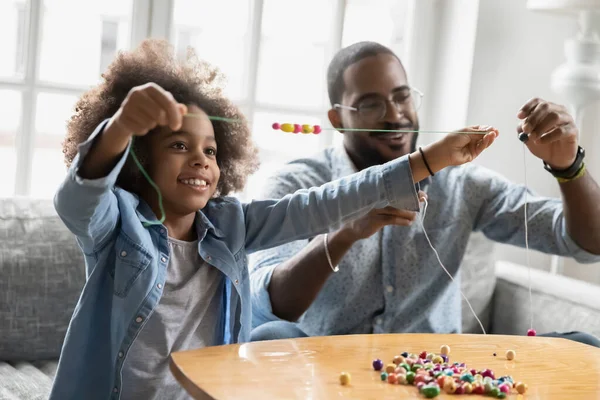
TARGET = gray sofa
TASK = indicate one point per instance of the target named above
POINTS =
(42, 273)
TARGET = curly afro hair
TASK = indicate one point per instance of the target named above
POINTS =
(190, 82)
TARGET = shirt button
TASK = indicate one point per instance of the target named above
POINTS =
(389, 289)
(123, 253)
(163, 259)
(208, 258)
(378, 321)
(236, 281)
(139, 319)
(120, 354)
(159, 285)
(163, 231)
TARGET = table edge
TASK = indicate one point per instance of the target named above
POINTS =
(193, 390)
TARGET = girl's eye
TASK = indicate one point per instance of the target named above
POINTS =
(211, 152)
(178, 146)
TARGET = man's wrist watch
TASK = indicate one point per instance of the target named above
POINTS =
(572, 170)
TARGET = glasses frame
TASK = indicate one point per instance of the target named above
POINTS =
(412, 89)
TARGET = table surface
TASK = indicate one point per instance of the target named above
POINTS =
(309, 368)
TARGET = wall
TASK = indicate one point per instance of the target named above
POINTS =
(516, 51)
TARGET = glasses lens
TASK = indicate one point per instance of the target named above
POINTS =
(417, 99)
(372, 110)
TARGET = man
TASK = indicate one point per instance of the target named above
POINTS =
(389, 279)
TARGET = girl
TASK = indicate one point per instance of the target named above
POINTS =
(153, 288)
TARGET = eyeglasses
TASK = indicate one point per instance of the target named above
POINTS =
(375, 109)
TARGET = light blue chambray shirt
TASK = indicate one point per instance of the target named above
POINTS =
(126, 262)
(392, 281)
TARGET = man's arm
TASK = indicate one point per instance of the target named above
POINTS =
(295, 283)
(552, 137)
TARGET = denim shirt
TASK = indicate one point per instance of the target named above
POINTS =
(126, 261)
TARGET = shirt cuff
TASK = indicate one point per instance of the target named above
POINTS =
(262, 311)
(400, 188)
(83, 149)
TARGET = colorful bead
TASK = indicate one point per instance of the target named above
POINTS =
(437, 360)
(531, 332)
(445, 350)
(287, 128)
(390, 368)
(504, 388)
(384, 376)
(307, 129)
(510, 355)
(468, 388)
(398, 360)
(478, 389)
(467, 377)
(430, 356)
(416, 367)
(405, 354)
(392, 378)
(423, 355)
(276, 126)
(297, 128)
(420, 378)
(377, 365)
(487, 373)
(459, 390)
(501, 395)
(487, 387)
(521, 387)
(420, 386)
(449, 386)
(494, 392)
(410, 377)
(430, 391)
(401, 379)
(405, 366)
(345, 378)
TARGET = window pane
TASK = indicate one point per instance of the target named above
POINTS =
(87, 41)
(200, 24)
(52, 113)
(381, 21)
(286, 145)
(14, 20)
(10, 101)
(307, 21)
(292, 77)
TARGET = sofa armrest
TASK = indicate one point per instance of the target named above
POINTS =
(560, 303)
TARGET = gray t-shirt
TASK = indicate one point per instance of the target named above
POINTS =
(187, 317)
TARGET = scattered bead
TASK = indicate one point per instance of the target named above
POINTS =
(459, 390)
(501, 395)
(276, 126)
(345, 378)
(521, 387)
(390, 368)
(437, 360)
(510, 355)
(416, 367)
(377, 365)
(392, 378)
(449, 386)
(531, 332)
(420, 386)
(504, 388)
(420, 378)
(384, 376)
(423, 355)
(487, 373)
(401, 379)
(430, 356)
(410, 377)
(445, 350)
(468, 388)
(405, 366)
(494, 392)
(405, 354)
(430, 391)
(494, 354)
(398, 360)
(478, 389)
(467, 377)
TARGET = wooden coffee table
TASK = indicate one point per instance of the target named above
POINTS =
(309, 368)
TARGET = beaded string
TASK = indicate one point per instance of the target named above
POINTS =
(527, 238)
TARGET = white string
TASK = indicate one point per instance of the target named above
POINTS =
(440, 261)
(527, 235)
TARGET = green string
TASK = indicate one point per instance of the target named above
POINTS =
(233, 120)
(160, 199)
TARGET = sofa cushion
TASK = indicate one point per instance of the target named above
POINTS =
(26, 381)
(41, 276)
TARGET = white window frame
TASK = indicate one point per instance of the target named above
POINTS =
(150, 18)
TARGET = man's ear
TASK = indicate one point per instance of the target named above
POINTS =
(334, 118)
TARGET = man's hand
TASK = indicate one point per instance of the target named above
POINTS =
(369, 224)
(552, 132)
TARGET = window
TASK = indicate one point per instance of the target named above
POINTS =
(274, 53)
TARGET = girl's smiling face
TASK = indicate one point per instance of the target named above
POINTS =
(183, 164)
